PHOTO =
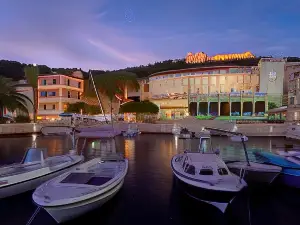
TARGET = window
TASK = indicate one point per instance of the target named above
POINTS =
(185, 81)
(223, 71)
(68, 82)
(204, 80)
(205, 89)
(78, 95)
(54, 81)
(222, 88)
(247, 79)
(79, 84)
(222, 171)
(206, 172)
(240, 79)
(197, 80)
(43, 94)
(53, 107)
(190, 169)
(146, 87)
(52, 93)
(44, 82)
(292, 100)
(69, 94)
(45, 107)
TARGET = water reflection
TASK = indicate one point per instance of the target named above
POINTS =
(149, 181)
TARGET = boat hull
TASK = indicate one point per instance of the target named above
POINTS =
(256, 177)
(219, 199)
(71, 211)
(289, 180)
(28, 185)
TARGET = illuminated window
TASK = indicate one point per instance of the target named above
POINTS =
(240, 79)
(205, 80)
(222, 80)
(247, 79)
(222, 88)
(185, 81)
(192, 81)
(205, 89)
(65, 106)
(197, 80)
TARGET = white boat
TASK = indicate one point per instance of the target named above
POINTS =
(132, 130)
(252, 172)
(204, 176)
(87, 187)
(34, 169)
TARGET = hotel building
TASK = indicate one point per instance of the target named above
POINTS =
(219, 90)
(56, 91)
(293, 110)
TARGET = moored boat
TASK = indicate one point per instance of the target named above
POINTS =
(87, 187)
(33, 170)
(204, 176)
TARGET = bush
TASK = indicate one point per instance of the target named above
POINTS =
(139, 107)
(204, 117)
(22, 119)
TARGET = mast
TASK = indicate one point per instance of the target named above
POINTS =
(98, 97)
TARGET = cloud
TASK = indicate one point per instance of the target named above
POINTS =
(67, 34)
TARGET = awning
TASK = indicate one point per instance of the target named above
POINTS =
(278, 110)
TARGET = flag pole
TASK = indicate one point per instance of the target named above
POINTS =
(98, 97)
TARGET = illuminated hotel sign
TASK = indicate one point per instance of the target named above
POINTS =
(201, 57)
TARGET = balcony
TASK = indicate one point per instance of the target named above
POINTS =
(49, 112)
(57, 99)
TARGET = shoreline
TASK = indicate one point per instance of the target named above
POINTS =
(194, 125)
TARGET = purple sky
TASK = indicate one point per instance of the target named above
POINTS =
(112, 34)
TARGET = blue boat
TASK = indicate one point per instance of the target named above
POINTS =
(290, 174)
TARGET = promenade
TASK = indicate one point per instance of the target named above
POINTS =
(165, 127)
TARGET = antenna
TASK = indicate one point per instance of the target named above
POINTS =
(98, 97)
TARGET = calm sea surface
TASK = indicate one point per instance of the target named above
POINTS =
(149, 195)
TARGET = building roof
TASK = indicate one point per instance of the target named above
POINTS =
(197, 69)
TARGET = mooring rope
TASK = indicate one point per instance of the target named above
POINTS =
(33, 215)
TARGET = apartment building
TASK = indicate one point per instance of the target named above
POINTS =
(56, 91)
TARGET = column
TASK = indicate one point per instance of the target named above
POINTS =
(229, 104)
(266, 103)
(197, 105)
(253, 105)
(208, 104)
(241, 100)
(219, 105)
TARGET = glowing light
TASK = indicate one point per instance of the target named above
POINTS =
(202, 57)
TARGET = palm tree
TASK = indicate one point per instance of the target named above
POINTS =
(31, 74)
(113, 83)
(10, 98)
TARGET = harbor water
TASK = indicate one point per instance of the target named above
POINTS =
(149, 195)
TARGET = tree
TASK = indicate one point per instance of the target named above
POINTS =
(10, 98)
(111, 84)
(272, 105)
(79, 107)
(145, 111)
(140, 107)
(31, 74)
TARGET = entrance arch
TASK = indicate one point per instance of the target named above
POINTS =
(247, 108)
(224, 109)
(236, 109)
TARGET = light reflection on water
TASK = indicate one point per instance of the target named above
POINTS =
(148, 182)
